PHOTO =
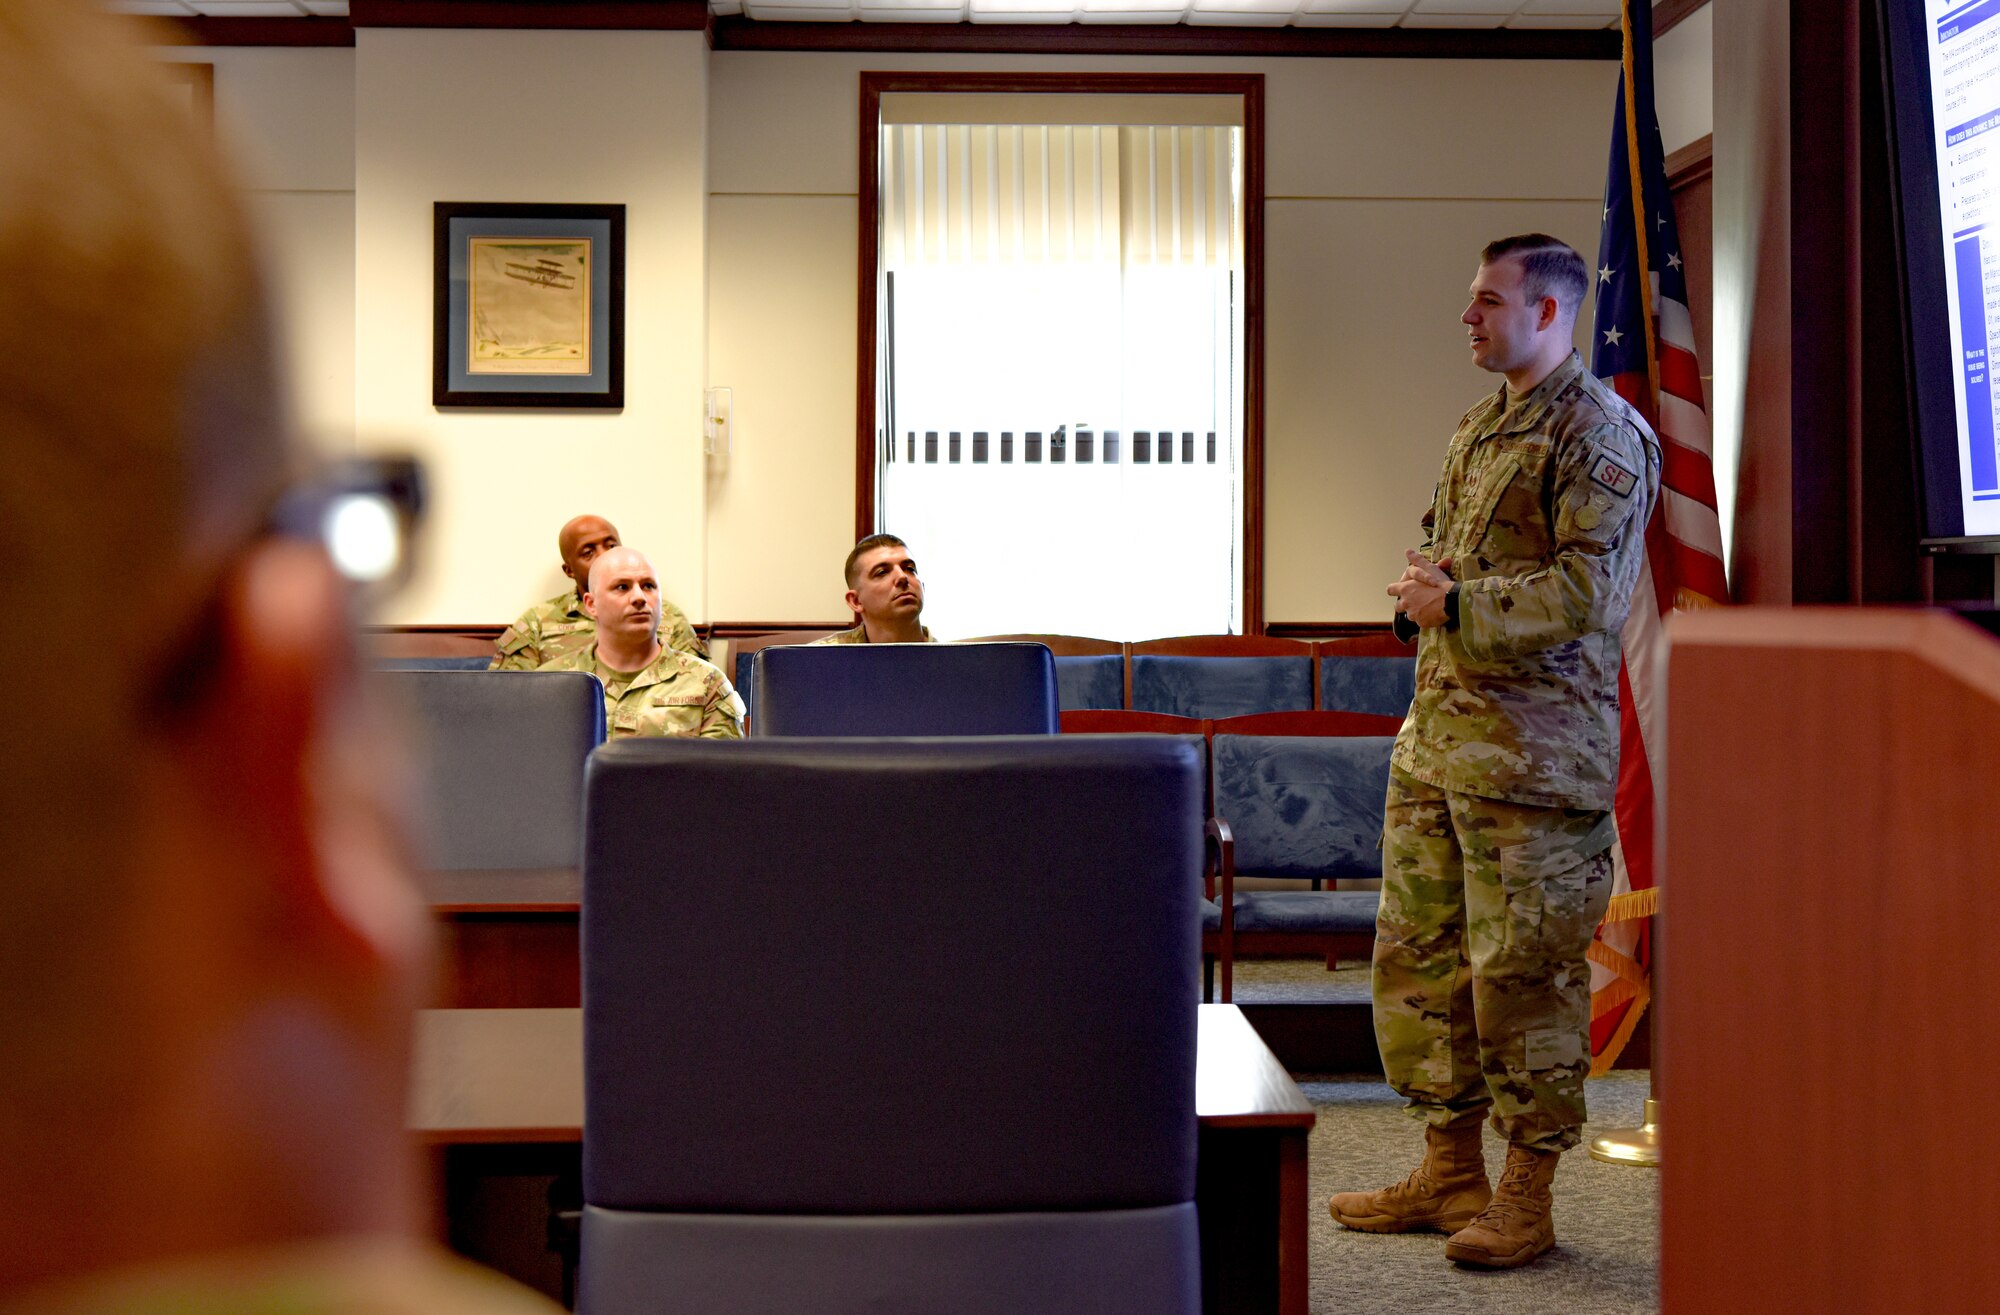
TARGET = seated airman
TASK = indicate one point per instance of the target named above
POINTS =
(559, 626)
(649, 688)
(884, 592)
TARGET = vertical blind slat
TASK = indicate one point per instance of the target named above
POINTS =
(1058, 194)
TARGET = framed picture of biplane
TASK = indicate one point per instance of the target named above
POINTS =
(529, 305)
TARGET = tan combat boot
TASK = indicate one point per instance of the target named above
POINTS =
(1441, 1195)
(1516, 1226)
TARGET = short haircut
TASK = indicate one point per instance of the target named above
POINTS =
(1550, 267)
(872, 541)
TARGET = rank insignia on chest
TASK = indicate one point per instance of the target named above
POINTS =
(1613, 476)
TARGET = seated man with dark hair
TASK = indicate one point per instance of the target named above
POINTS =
(884, 591)
(649, 688)
(559, 626)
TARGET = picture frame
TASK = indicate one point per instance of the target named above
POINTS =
(528, 305)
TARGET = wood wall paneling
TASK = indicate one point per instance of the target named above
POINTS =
(1829, 962)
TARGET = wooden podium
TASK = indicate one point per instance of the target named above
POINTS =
(1831, 983)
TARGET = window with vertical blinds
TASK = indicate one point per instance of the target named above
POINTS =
(1060, 359)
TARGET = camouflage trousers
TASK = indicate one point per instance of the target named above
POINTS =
(1482, 995)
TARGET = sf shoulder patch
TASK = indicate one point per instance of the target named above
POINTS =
(1613, 476)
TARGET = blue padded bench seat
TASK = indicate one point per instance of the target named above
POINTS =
(1300, 808)
(1301, 911)
(1303, 806)
(1383, 685)
(1090, 681)
(1221, 686)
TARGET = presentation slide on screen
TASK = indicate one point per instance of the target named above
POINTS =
(1965, 107)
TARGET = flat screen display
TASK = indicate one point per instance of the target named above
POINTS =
(1945, 86)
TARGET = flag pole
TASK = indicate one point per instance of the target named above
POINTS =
(1640, 1147)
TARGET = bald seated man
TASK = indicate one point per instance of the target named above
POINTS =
(210, 948)
(649, 689)
(884, 592)
(560, 626)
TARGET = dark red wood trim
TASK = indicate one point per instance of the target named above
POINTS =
(474, 630)
(1691, 163)
(586, 15)
(1253, 358)
(1325, 629)
(736, 33)
(868, 301)
(1666, 13)
(1221, 646)
(260, 31)
(1318, 723)
(744, 629)
(1250, 86)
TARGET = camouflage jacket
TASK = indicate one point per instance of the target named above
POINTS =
(560, 626)
(859, 635)
(1542, 509)
(674, 695)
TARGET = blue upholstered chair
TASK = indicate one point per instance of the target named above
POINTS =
(1306, 808)
(905, 689)
(1367, 673)
(891, 1025)
(1090, 681)
(1221, 676)
(1090, 673)
(411, 663)
(743, 649)
(501, 755)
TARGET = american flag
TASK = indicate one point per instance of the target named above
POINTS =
(1642, 342)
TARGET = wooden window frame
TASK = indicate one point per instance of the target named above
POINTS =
(1250, 86)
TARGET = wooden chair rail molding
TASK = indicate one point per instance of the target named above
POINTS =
(1830, 981)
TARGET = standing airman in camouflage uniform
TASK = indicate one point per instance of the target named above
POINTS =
(1497, 835)
(649, 689)
(884, 591)
(559, 626)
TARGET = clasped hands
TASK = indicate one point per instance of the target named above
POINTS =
(1419, 594)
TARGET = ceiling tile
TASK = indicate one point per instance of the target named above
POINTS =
(1347, 20)
(799, 11)
(151, 8)
(326, 8)
(1557, 20)
(1603, 8)
(1282, 8)
(1453, 20)
(878, 13)
(1354, 7)
(1501, 7)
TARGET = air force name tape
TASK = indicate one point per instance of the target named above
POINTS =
(1613, 476)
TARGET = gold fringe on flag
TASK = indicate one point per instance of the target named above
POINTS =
(1619, 1039)
(1630, 905)
(1630, 982)
(1687, 600)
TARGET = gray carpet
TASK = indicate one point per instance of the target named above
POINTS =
(1606, 1260)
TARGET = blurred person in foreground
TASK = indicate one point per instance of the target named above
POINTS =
(649, 687)
(209, 951)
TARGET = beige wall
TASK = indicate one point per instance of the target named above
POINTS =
(1684, 79)
(287, 116)
(1383, 179)
(534, 116)
(739, 174)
